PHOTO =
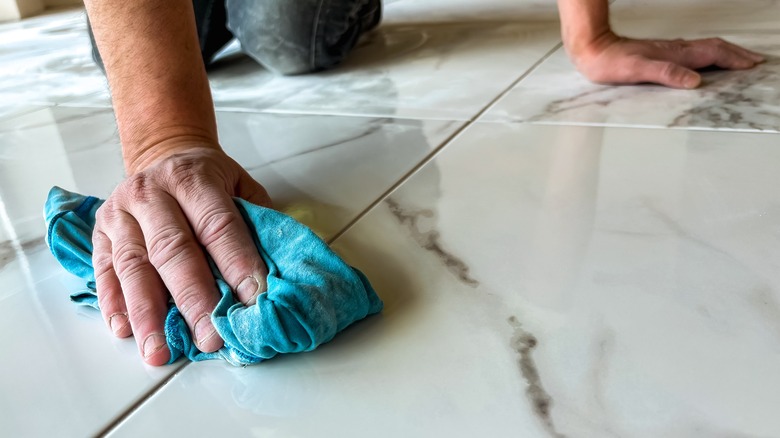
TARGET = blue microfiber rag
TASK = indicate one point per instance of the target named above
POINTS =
(312, 293)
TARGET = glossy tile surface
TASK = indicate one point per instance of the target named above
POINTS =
(728, 100)
(578, 282)
(541, 278)
(65, 367)
(46, 60)
(438, 70)
(443, 11)
(446, 66)
(447, 70)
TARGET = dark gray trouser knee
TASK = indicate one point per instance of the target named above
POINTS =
(285, 36)
(300, 36)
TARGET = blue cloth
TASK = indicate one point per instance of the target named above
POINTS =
(312, 293)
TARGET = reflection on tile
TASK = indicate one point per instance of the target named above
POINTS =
(62, 364)
(436, 11)
(540, 281)
(445, 70)
(326, 168)
(443, 67)
(46, 60)
(728, 100)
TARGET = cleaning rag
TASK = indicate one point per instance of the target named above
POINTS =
(312, 293)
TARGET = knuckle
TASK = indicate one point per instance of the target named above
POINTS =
(138, 188)
(140, 311)
(102, 263)
(670, 71)
(100, 240)
(104, 214)
(166, 245)
(105, 301)
(129, 258)
(186, 173)
(189, 300)
(216, 225)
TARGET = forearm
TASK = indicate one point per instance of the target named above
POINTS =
(156, 74)
(583, 23)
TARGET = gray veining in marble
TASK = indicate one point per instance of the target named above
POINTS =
(524, 343)
(9, 250)
(431, 241)
(747, 100)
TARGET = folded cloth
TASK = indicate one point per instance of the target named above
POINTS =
(312, 293)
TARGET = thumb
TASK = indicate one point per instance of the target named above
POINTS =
(668, 74)
(250, 190)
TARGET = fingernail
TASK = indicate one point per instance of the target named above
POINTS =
(153, 343)
(117, 322)
(691, 81)
(204, 330)
(250, 287)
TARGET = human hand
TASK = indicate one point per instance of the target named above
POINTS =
(149, 242)
(611, 59)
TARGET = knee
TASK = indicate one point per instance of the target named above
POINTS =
(300, 36)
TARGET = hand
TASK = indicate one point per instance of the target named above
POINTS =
(149, 242)
(611, 59)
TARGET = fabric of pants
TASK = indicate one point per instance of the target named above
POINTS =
(285, 36)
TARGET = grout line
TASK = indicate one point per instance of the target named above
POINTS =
(443, 144)
(112, 426)
(617, 125)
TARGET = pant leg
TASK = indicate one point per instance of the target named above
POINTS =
(211, 22)
(300, 36)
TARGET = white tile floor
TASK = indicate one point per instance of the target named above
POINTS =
(557, 258)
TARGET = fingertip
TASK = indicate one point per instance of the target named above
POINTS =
(746, 64)
(120, 325)
(250, 288)
(154, 349)
(205, 335)
(691, 81)
(211, 344)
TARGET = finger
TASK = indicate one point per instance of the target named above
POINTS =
(712, 51)
(144, 291)
(109, 292)
(181, 264)
(665, 73)
(221, 229)
(749, 54)
(731, 59)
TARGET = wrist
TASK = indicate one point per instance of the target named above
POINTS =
(585, 26)
(588, 44)
(138, 157)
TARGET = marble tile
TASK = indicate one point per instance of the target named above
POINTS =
(324, 170)
(62, 373)
(737, 100)
(423, 70)
(442, 11)
(436, 70)
(539, 281)
(449, 65)
(46, 60)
